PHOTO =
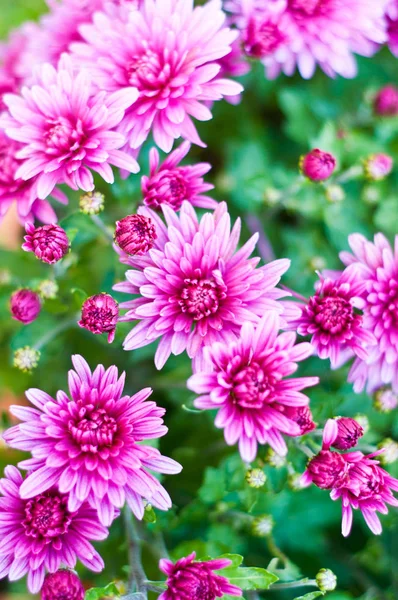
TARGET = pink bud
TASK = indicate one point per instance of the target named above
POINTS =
(378, 166)
(302, 416)
(100, 314)
(49, 242)
(62, 585)
(327, 469)
(135, 234)
(348, 433)
(25, 306)
(317, 165)
(386, 101)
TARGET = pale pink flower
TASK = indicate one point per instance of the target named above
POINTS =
(90, 447)
(66, 131)
(168, 50)
(171, 184)
(392, 26)
(290, 34)
(248, 382)
(378, 166)
(41, 533)
(194, 287)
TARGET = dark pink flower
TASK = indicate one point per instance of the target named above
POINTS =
(189, 579)
(168, 50)
(247, 380)
(378, 166)
(62, 585)
(135, 234)
(171, 184)
(317, 165)
(327, 469)
(65, 131)
(348, 433)
(194, 287)
(49, 242)
(100, 314)
(41, 533)
(386, 101)
(25, 306)
(301, 415)
(89, 446)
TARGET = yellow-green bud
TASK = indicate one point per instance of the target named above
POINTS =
(274, 459)
(335, 193)
(390, 451)
(26, 359)
(48, 289)
(326, 580)
(262, 526)
(256, 478)
(5, 277)
(92, 203)
(385, 400)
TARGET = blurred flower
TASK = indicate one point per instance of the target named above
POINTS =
(135, 234)
(41, 533)
(100, 314)
(188, 579)
(389, 451)
(318, 263)
(168, 51)
(378, 166)
(263, 525)
(256, 478)
(386, 101)
(74, 127)
(392, 23)
(92, 203)
(385, 400)
(295, 481)
(48, 289)
(335, 193)
(274, 459)
(170, 184)
(25, 306)
(89, 446)
(326, 580)
(317, 165)
(348, 433)
(234, 64)
(247, 381)
(363, 422)
(62, 585)
(49, 242)
(194, 287)
(371, 193)
(26, 359)
(5, 277)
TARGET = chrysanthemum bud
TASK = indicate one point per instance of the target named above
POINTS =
(48, 289)
(92, 203)
(371, 194)
(385, 400)
(256, 478)
(349, 432)
(272, 196)
(135, 234)
(335, 193)
(26, 359)
(25, 306)
(295, 481)
(100, 314)
(62, 585)
(262, 526)
(5, 276)
(363, 422)
(378, 166)
(274, 459)
(326, 580)
(386, 101)
(327, 469)
(317, 165)
(390, 451)
(49, 242)
(121, 587)
(318, 263)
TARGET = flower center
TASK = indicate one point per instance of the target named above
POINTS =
(94, 431)
(252, 386)
(172, 189)
(199, 584)
(62, 135)
(262, 39)
(332, 313)
(147, 70)
(307, 7)
(47, 516)
(201, 298)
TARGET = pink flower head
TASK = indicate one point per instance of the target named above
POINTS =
(245, 381)
(66, 131)
(317, 165)
(168, 50)
(285, 34)
(135, 234)
(62, 585)
(331, 317)
(25, 306)
(89, 445)
(392, 24)
(194, 288)
(377, 267)
(348, 433)
(301, 415)
(100, 314)
(378, 166)
(190, 579)
(49, 242)
(170, 184)
(386, 101)
(41, 533)
(355, 478)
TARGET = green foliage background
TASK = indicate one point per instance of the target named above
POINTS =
(254, 149)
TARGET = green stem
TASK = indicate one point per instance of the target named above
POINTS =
(294, 584)
(275, 551)
(137, 579)
(101, 225)
(50, 335)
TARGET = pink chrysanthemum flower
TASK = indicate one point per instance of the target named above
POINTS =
(100, 314)
(89, 445)
(245, 381)
(62, 585)
(355, 478)
(190, 579)
(285, 34)
(168, 50)
(171, 184)
(25, 306)
(49, 242)
(194, 287)
(41, 533)
(392, 26)
(385, 102)
(377, 267)
(135, 234)
(331, 318)
(66, 131)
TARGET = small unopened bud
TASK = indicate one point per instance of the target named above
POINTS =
(274, 459)
(135, 234)
(48, 289)
(295, 481)
(390, 451)
(378, 166)
(256, 478)
(121, 587)
(335, 193)
(317, 165)
(5, 276)
(349, 432)
(26, 359)
(371, 194)
(272, 196)
(363, 422)
(326, 580)
(49, 243)
(318, 263)
(386, 101)
(100, 314)
(262, 526)
(62, 585)
(92, 203)
(385, 400)
(25, 306)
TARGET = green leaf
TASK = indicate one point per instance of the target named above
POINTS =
(236, 559)
(213, 488)
(310, 596)
(79, 296)
(149, 515)
(249, 578)
(98, 593)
